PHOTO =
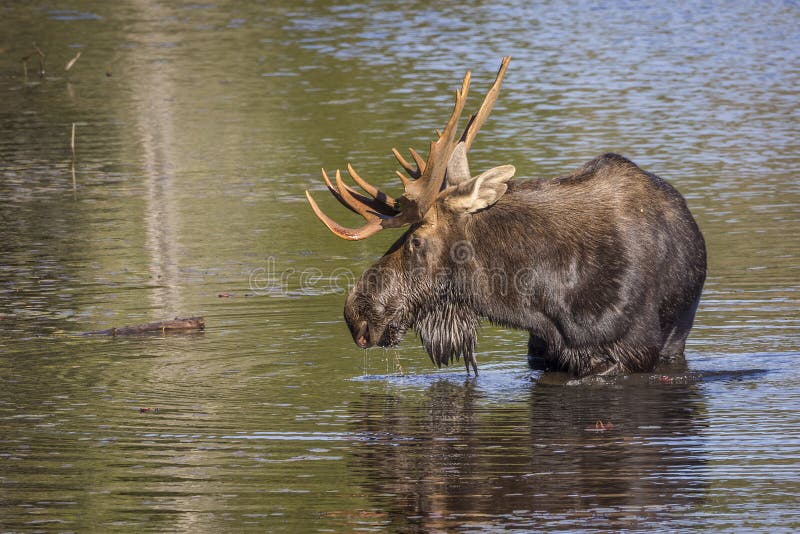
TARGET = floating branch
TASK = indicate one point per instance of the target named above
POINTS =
(176, 325)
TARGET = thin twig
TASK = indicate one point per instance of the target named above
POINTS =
(74, 181)
(41, 59)
(110, 64)
(397, 361)
(72, 61)
(38, 51)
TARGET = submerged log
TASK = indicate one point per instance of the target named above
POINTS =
(177, 324)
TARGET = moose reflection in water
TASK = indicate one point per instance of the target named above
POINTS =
(607, 262)
(450, 456)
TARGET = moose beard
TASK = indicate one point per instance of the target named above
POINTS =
(448, 332)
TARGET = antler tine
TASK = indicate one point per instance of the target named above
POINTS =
(372, 227)
(418, 160)
(348, 197)
(403, 178)
(376, 193)
(429, 184)
(414, 173)
(477, 120)
(335, 192)
(376, 205)
(448, 134)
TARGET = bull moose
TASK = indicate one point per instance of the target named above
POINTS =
(603, 267)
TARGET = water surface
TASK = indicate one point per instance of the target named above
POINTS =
(199, 125)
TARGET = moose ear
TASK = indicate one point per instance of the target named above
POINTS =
(458, 167)
(480, 192)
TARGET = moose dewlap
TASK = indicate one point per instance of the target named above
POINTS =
(603, 267)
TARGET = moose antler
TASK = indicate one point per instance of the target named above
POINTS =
(470, 131)
(382, 211)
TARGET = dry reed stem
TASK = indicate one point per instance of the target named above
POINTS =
(72, 61)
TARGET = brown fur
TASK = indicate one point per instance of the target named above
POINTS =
(604, 267)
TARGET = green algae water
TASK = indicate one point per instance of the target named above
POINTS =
(198, 126)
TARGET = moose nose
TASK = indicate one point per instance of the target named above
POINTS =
(362, 336)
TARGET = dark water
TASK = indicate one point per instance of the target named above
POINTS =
(199, 125)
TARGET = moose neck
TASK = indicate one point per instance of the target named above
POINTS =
(503, 276)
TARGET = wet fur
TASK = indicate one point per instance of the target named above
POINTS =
(603, 267)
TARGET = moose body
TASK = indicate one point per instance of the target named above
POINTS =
(603, 267)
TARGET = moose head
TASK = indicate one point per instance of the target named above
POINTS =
(412, 285)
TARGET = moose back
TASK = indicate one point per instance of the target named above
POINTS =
(604, 267)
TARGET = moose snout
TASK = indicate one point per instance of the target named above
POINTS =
(356, 315)
(366, 313)
(361, 335)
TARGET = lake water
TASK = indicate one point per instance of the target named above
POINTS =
(198, 125)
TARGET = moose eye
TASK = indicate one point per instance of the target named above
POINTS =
(415, 243)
